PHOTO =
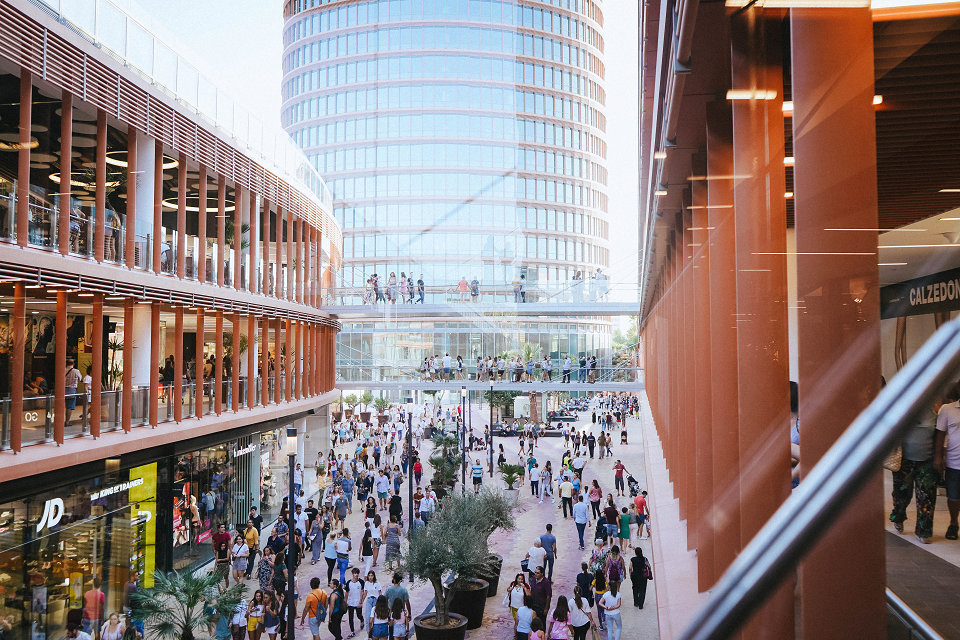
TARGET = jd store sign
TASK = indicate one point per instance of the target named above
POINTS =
(52, 512)
(929, 294)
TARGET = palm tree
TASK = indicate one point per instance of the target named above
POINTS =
(174, 609)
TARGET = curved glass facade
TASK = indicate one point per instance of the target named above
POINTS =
(460, 138)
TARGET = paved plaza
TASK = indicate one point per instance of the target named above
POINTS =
(531, 517)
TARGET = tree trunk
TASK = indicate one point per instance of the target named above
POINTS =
(440, 603)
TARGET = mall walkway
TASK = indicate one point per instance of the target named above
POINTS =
(531, 518)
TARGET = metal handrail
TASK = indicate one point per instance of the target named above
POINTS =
(916, 626)
(830, 486)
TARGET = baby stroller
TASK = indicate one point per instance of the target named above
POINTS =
(634, 486)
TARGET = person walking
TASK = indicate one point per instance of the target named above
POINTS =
(595, 494)
(477, 476)
(541, 590)
(549, 543)
(567, 364)
(566, 495)
(917, 473)
(581, 618)
(640, 573)
(610, 603)
(619, 469)
(558, 627)
(421, 288)
(581, 517)
(591, 443)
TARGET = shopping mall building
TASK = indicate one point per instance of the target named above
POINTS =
(172, 251)
(461, 140)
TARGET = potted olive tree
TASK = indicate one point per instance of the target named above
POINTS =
(382, 405)
(366, 399)
(451, 553)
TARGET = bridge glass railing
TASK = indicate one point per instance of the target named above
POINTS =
(574, 292)
(358, 372)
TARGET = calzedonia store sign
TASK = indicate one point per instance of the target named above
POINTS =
(929, 294)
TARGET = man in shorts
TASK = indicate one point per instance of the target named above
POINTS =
(947, 462)
(477, 476)
(316, 597)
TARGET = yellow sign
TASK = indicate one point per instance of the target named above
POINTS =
(144, 494)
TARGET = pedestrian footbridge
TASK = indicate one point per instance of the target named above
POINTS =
(470, 385)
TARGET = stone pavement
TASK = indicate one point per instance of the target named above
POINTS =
(531, 518)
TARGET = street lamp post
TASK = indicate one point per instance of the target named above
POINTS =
(291, 528)
(463, 440)
(490, 399)
(410, 514)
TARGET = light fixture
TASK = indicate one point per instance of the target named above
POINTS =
(788, 195)
(291, 441)
(33, 286)
(877, 99)
(660, 192)
(950, 219)
(751, 94)
(788, 161)
(918, 246)
(463, 391)
(660, 155)
(949, 191)
(892, 264)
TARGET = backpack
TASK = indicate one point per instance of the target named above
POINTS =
(321, 611)
(338, 605)
(615, 573)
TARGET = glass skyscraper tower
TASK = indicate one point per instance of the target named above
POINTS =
(459, 137)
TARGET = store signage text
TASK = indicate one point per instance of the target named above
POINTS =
(52, 512)
(938, 292)
(109, 491)
(242, 452)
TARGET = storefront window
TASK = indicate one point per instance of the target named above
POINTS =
(274, 472)
(212, 486)
(74, 546)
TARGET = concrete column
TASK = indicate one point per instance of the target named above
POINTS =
(100, 215)
(182, 218)
(66, 168)
(240, 196)
(23, 166)
(157, 225)
(702, 413)
(761, 228)
(143, 362)
(723, 336)
(253, 247)
(222, 227)
(835, 182)
(266, 250)
(200, 260)
(145, 180)
(278, 281)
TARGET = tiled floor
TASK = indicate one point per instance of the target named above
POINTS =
(532, 516)
(927, 584)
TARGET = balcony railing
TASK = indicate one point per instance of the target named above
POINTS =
(38, 417)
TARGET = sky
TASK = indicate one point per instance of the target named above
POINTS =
(241, 42)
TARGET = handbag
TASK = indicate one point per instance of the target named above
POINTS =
(894, 459)
(647, 571)
(595, 632)
(525, 565)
